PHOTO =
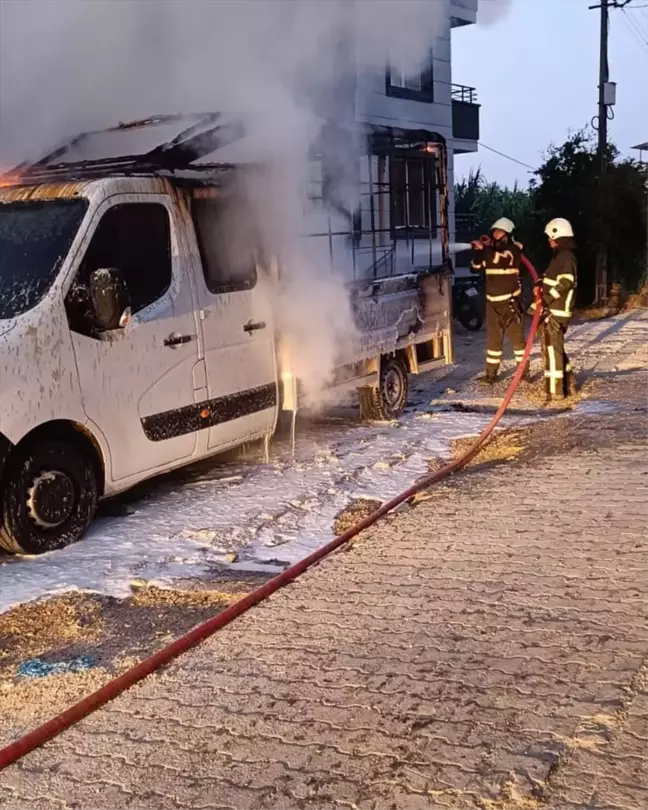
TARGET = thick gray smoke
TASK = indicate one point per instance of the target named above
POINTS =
(491, 11)
(69, 65)
(73, 65)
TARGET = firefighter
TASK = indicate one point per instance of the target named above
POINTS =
(498, 257)
(558, 289)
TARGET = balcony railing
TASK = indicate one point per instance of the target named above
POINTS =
(465, 113)
(467, 95)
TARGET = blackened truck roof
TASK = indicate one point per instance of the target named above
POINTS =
(167, 146)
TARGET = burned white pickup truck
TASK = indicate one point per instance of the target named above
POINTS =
(127, 346)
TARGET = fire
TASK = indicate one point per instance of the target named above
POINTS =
(7, 180)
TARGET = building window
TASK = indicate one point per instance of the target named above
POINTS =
(399, 80)
(417, 87)
(413, 196)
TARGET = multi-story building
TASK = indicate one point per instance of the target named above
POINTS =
(400, 211)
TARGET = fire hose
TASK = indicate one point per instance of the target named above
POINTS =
(89, 704)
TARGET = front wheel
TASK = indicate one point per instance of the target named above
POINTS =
(48, 499)
(388, 399)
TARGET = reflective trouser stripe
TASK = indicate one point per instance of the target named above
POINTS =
(561, 313)
(493, 353)
(506, 297)
(553, 373)
(493, 360)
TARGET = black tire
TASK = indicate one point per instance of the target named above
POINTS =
(48, 498)
(388, 399)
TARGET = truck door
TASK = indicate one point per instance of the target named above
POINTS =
(136, 382)
(237, 330)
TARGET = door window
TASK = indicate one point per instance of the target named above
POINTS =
(134, 238)
(227, 245)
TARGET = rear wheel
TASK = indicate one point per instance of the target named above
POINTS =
(48, 498)
(388, 399)
(470, 318)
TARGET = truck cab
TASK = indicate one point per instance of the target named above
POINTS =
(186, 368)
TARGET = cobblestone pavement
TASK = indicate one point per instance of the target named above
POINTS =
(487, 648)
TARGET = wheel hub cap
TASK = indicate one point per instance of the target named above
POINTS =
(50, 499)
(392, 387)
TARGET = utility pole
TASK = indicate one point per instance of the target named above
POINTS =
(602, 253)
(606, 98)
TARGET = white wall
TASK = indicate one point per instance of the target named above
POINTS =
(374, 106)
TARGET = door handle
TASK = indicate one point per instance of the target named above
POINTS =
(252, 326)
(176, 339)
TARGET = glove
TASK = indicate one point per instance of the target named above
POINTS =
(483, 241)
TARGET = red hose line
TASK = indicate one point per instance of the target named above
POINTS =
(52, 728)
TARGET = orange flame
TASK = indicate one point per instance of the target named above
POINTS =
(7, 180)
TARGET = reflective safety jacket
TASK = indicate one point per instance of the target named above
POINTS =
(559, 281)
(501, 267)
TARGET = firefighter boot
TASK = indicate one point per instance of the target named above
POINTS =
(547, 399)
(550, 398)
(490, 377)
(557, 396)
(569, 384)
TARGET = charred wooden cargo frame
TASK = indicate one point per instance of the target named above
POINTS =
(181, 159)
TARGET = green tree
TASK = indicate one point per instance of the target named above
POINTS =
(568, 186)
(485, 201)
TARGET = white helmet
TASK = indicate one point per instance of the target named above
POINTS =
(559, 227)
(503, 224)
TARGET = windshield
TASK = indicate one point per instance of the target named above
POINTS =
(35, 237)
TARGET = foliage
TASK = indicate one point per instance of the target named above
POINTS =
(483, 202)
(568, 185)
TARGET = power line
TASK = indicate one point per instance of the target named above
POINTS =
(631, 31)
(635, 26)
(508, 157)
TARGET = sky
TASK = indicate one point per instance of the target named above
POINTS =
(536, 75)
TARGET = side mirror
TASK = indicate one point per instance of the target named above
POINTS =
(109, 299)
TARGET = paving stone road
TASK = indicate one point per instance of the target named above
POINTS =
(485, 649)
